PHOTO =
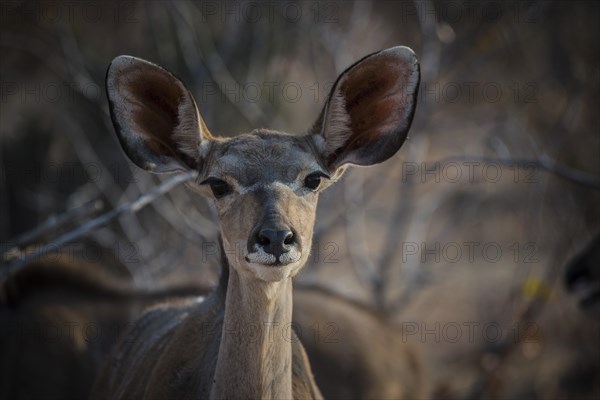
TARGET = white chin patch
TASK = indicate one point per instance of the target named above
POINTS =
(268, 273)
(267, 268)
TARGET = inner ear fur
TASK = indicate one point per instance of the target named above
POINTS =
(155, 116)
(370, 109)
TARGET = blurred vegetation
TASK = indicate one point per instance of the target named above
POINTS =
(501, 81)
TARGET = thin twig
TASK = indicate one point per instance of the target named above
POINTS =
(431, 48)
(400, 226)
(55, 222)
(68, 237)
(212, 60)
(544, 163)
(356, 232)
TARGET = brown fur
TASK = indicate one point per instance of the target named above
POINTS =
(248, 352)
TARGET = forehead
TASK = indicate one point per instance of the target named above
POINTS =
(263, 156)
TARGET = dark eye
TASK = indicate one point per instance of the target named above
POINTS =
(313, 180)
(219, 187)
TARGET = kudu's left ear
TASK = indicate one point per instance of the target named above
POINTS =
(370, 109)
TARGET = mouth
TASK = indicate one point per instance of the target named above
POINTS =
(269, 268)
(260, 257)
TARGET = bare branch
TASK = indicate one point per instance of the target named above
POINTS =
(216, 66)
(356, 230)
(544, 163)
(55, 222)
(133, 207)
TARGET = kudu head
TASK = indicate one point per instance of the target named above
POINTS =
(265, 184)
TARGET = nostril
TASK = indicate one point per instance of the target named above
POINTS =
(275, 241)
(263, 240)
(289, 238)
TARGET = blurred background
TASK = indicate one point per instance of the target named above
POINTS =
(461, 239)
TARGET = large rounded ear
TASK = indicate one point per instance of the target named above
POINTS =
(370, 109)
(154, 115)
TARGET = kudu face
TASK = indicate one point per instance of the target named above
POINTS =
(265, 187)
(265, 184)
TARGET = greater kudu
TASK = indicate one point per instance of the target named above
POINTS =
(238, 342)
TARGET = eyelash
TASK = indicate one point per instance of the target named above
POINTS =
(219, 187)
(313, 181)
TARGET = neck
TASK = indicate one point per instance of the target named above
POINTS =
(255, 353)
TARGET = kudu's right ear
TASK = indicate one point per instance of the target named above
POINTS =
(154, 115)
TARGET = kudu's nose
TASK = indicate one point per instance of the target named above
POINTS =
(275, 241)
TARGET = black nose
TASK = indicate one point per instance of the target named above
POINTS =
(275, 241)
